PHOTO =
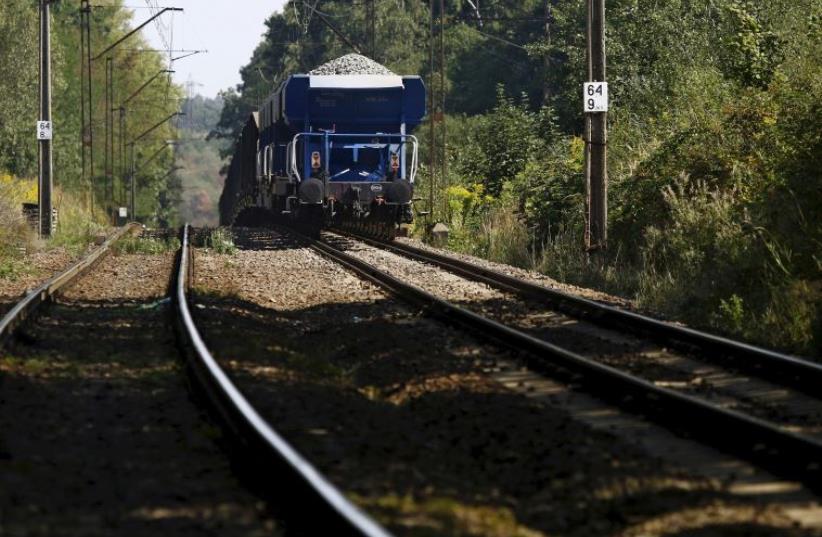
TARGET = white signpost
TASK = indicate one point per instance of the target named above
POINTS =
(44, 131)
(595, 96)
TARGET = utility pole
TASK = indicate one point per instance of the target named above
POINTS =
(596, 131)
(372, 25)
(109, 122)
(44, 127)
(88, 129)
(132, 209)
(83, 99)
(444, 126)
(546, 91)
(432, 118)
(121, 148)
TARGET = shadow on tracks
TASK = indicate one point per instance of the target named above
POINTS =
(98, 437)
(394, 410)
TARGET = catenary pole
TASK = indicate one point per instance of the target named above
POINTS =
(596, 132)
(83, 102)
(444, 126)
(432, 119)
(88, 137)
(372, 30)
(109, 131)
(45, 182)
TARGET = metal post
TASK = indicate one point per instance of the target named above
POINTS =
(596, 133)
(45, 177)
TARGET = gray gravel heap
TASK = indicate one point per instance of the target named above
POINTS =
(351, 64)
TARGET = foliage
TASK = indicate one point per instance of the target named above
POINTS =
(714, 159)
(200, 161)
(18, 52)
(145, 245)
(15, 233)
(132, 67)
(222, 242)
(75, 229)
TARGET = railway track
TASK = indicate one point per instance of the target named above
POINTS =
(786, 440)
(99, 436)
(322, 506)
(29, 305)
(796, 372)
(297, 482)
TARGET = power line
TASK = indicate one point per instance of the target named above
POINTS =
(495, 38)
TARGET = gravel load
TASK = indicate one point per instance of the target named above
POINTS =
(352, 64)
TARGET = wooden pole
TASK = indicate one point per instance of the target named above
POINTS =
(372, 25)
(83, 101)
(89, 139)
(444, 126)
(45, 183)
(596, 133)
(109, 142)
(432, 119)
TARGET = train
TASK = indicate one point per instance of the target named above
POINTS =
(327, 150)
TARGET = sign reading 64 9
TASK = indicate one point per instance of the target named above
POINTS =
(595, 96)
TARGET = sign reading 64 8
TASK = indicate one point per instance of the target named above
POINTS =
(44, 131)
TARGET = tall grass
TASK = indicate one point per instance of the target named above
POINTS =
(16, 237)
(76, 227)
(222, 242)
(710, 267)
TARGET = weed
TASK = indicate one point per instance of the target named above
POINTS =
(12, 269)
(15, 233)
(221, 241)
(447, 516)
(145, 245)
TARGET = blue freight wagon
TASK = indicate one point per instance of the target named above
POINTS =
(337, 148)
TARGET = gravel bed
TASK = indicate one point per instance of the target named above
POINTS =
(527, 275)
(97, 434)
(35, 269)
(401, 414)
(351, 64)
(255, 276)
(124, 278)
(640, 357)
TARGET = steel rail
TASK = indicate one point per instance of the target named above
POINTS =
(330, 510)
(802, 374)
(780, 451)
(32, 301)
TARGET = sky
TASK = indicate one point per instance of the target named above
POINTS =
(228, 29)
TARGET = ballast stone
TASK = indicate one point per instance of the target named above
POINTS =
(352, 64)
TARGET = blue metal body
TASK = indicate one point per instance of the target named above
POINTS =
(354, 123)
